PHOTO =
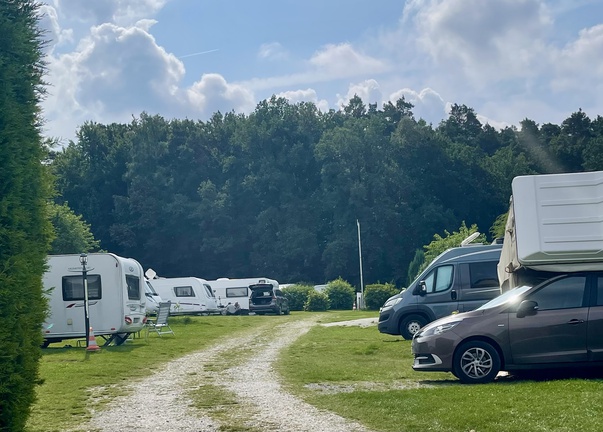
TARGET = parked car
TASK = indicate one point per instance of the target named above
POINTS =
(265, 298)
(555, 323)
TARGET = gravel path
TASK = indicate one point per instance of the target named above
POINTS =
(161, 402)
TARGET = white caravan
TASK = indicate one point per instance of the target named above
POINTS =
(189, 295)
(153, 299)
(236, 290)
(116, 299)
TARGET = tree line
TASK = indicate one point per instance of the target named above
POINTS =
(279, 192)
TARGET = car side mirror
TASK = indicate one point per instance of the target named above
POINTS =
(420, 289)
(526, 308)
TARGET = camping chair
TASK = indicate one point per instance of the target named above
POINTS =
(160, 324)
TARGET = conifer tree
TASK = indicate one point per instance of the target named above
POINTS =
(25, 229)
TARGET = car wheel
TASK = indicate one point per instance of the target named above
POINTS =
(476, 362)
(410, 325)
(278, 310)
(287, 311)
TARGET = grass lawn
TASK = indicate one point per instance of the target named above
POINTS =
(367, 376)
(356, 372)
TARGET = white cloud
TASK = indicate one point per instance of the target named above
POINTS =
(212, 93)
(485, 41)
(579, 64)
(308, 95)
(369, 91)
(117, 72)
(49, 23)
(428, 104)
(121, 12)
(343, 61)
(272, 51)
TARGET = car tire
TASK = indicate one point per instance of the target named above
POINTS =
(287, 311)
(410, 325)
(476, 362)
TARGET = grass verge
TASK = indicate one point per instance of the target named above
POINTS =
(367, 376)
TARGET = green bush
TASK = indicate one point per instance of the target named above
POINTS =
(376, 294)
(316, 302)
(341, 294)
(297, 296)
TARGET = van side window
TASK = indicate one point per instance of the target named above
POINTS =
(73, 287)
(564, 293)
(440, 279)
(483, 274)
(184, 291)
(133, 284)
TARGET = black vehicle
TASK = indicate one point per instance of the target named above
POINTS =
(265, 298)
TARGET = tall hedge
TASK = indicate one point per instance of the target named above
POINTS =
(25, 230)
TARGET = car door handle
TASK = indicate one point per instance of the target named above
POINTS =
(575, 321)
(453, 294)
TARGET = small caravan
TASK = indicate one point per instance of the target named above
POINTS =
(116, 299)
(237, 290)
(189, 295)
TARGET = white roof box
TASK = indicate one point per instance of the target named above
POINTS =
(558, 218)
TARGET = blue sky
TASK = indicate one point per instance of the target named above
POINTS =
(110, 60)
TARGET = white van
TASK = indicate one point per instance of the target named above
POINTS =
(189, 295)
(236, 290)
(116, 299)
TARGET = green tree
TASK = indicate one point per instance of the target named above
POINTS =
(440, 244)
(25, 230)
(72, 233)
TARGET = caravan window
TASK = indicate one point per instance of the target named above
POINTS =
(184, 291)
(73, 287)
(237, 292)
(208, 290)
(133, 283)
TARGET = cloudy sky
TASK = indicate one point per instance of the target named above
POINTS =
(110, 60)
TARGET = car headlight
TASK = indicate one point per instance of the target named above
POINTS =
(391, 303)
(439, 329)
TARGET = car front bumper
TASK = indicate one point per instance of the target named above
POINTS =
(434, 353)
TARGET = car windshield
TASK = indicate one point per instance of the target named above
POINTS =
(508, 297)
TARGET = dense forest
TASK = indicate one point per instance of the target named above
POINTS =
(278, 192)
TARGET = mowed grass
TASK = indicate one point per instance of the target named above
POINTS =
(367, 376)
(356, 372)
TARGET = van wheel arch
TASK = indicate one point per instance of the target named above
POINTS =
(410, 324)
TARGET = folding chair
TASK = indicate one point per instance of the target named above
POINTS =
(160, 324)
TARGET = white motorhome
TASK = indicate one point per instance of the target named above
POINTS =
(554, 225)
(116, 299)
(236, 290)
(153, 299)
(189, 295)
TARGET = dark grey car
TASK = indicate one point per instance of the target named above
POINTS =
(556, 323)
(265, 298)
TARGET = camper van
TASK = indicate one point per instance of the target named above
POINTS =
(116, 299)
(459, 280)
(153, 299)
(189, 295)
(237, 290)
